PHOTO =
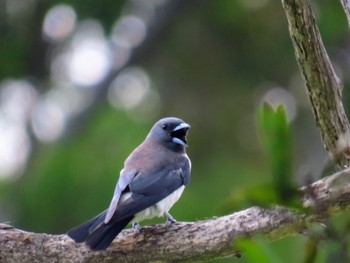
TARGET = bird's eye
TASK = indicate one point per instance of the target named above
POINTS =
(164, 126)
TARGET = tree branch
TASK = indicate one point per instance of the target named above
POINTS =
(346, 6)
(186, 241)
(324, 88)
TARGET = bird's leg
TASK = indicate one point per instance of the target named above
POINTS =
(170, 219)
(136, 226)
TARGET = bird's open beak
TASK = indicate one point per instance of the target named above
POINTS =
(179, 134)
(183, 125)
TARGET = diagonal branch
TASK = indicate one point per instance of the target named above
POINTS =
(186, 241)
(346, 6)
(324, 88)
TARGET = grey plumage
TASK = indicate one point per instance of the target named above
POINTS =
(152, 180)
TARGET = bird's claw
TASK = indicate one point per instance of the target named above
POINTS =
(170, 219)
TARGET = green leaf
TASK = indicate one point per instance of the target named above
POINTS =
(276, 140)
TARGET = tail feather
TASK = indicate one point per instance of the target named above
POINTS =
(80, 233)
(104, 234)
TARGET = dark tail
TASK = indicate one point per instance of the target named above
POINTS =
(104, 234)
(96, 234)
(80, 233)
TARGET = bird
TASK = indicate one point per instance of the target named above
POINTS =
(153, 178)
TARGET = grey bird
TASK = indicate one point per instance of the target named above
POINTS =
(151, 182)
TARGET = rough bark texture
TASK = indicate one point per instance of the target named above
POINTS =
(346, 6)
(323, 86)
(186, 241)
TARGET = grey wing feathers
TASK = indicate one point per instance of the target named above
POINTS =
(163, 180)
(147, 196)
(147, 189)
(126, 176)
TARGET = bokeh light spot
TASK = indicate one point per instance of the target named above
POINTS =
(48, 120)
(89, 57)
(59, 22)
(15, 147)
(130, 30)
(17, 98)
(129, 88)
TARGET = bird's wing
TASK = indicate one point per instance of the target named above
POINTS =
(151, 184)
(148, 189)
(126, 176)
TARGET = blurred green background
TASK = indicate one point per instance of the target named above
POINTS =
(82, 82)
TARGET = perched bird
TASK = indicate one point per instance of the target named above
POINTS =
(152, 180)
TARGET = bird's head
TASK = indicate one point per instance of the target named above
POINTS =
(171, 132)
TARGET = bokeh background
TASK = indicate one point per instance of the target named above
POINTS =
(82, 82)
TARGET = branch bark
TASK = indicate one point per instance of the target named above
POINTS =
(346, 7)
(186, 241)
(324, 88)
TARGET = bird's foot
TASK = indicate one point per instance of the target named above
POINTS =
(136, 226)
(170, 219)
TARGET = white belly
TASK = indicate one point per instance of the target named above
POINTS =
(163, 206)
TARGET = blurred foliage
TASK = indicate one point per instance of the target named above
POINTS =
(262, 195)
(276, 140)
(211, 66)
(275, 134)
(258, 251)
